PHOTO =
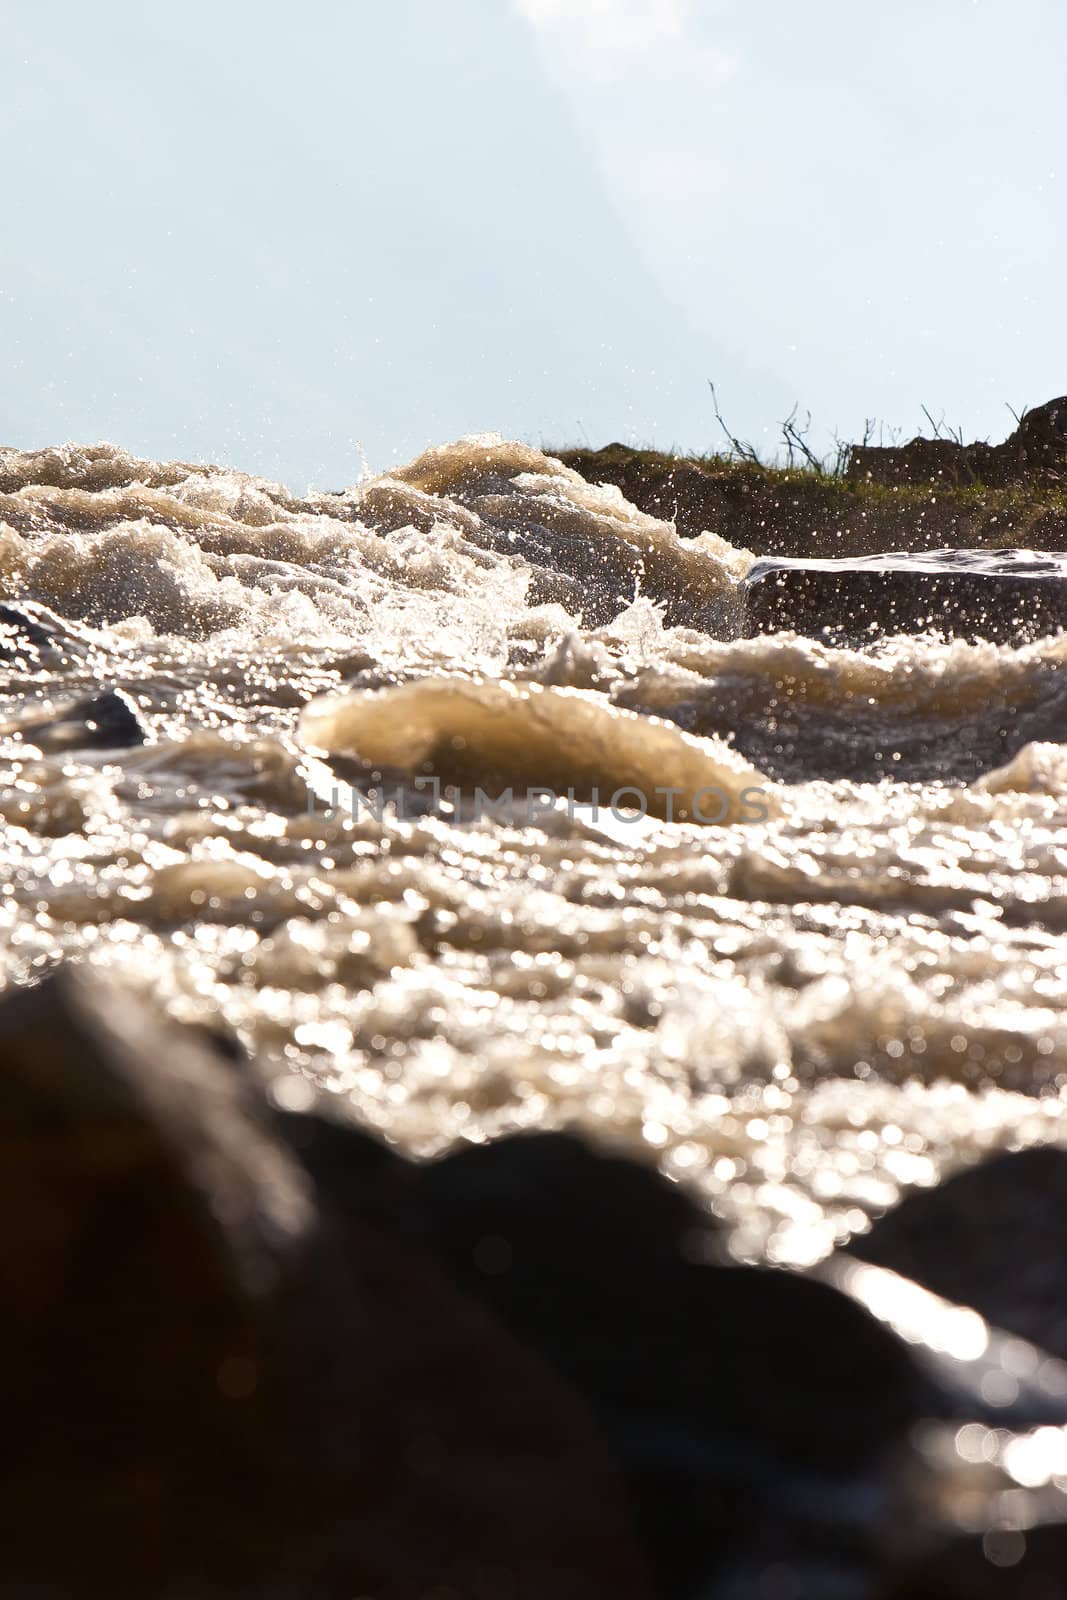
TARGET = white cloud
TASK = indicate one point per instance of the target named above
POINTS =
(610, 34)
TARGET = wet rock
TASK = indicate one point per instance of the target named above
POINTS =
(255, 1351)
(723, 1390)
(994, 1237)
(107, 721)
(976, 1372)
(735, 1440)
(206, 1392)
(1008, 596)
(299, 1386)
(33, 637)
(1036, 452)
(763, 1418)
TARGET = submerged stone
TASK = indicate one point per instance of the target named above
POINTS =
(34, 637)
(1007, 596)
(107, 721)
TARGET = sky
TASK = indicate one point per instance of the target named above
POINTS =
(310, 240)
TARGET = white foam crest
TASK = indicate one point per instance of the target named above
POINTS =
(1038, 768)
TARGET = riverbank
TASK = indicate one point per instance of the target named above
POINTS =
(801, 511)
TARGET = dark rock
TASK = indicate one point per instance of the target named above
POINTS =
(1001, 1564)
(234, 1364)
(34, 637)
(107, 721)
(975, 1371)
(993, 1236)
(206, 1392)
(733, 1438)
(356, 1175)
(1036, 452)
(569, 1205)
(222, 1040)
(722, 1389)
(762, 1417)
(1009, 596)
(26, 630)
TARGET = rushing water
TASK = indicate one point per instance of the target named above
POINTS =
(850, 984)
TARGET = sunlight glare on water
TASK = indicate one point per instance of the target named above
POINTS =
(803, 1008)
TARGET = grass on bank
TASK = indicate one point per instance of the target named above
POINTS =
(807, 509)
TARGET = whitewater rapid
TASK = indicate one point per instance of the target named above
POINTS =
(848, 985)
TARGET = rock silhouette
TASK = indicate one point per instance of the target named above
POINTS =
(1006, 1564)
(993, 1236)
(1036, 452)
(206, 1394)
(255, 1352)
(616, 1277)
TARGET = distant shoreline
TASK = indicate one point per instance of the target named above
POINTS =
(924, 495)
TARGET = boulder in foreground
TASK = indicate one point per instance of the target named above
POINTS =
(258, 1354)
(992, 1236)
(206, 1392)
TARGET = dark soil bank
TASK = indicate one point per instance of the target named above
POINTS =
(924, 495)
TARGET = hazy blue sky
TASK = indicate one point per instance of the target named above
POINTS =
(270, 234)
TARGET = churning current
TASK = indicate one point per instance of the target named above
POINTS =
(461, 797)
